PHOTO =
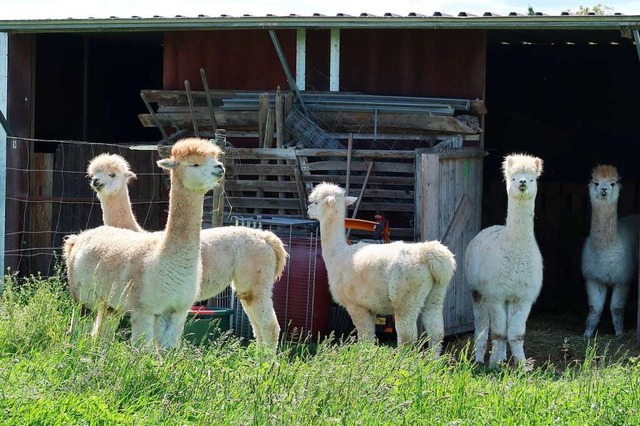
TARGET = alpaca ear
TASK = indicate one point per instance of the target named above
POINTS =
(167, 163)
(130, 175)
(348, 200)
(330, 200)
(539, 166)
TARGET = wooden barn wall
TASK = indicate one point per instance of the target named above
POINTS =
(244, 60)
(437, 63)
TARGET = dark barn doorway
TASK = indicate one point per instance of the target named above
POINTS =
(571, 99)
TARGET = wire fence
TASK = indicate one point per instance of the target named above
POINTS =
(49, 197)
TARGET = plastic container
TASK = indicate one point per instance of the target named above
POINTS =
(205, 323)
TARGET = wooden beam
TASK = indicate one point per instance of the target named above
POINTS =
(334, 61)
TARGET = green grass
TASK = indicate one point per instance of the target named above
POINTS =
(50, 377)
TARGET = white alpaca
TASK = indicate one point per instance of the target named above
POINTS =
(610, 252)
(404, 279)
(109, 175)
(252, 260)
(503, 266)
(150, 275)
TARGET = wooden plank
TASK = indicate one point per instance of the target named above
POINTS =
(368, 120)
(267, 203)
(358, 180)
(458, 222)
(183, 120)
(244, 169)
(431, 197)
(359, 166)
(266, 186)
(260, 153)
(367, 154)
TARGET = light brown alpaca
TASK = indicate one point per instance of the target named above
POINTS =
(150, 275)
(249, 259)
(109, 175)
(610, 252)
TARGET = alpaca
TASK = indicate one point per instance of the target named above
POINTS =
(252, 260)
(610, 252)
(399, 278)
(149, 275)
(109, 175)
(503, 266)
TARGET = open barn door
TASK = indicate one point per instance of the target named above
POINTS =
(448, 208)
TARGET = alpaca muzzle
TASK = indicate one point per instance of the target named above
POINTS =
(96, 184)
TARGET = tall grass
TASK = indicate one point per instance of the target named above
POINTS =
(48, 376)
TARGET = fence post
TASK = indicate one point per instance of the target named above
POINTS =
(4, 76)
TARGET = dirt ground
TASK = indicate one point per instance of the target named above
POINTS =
(557, 339)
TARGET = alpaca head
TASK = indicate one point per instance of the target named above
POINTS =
(108, 174)
(194, 164)
(521, 173)
(328, 200)
(604, 187)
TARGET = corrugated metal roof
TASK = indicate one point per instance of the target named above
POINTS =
(437, 20)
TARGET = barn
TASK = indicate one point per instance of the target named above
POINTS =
(415, 111)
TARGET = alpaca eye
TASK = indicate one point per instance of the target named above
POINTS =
(613, 184)
(112, 175)
(195, 165)
(596, 184)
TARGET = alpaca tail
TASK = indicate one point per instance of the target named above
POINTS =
(440, 260)
(279, 250)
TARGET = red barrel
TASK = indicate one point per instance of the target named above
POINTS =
(301, 297)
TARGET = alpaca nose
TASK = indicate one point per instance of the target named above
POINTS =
(219, 170)
(522, 184)
(604, 191)
(95, 182)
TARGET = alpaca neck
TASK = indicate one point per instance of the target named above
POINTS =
(520, 218)
(116, 211)
(604, 224)
(332, 236)
(184, 221)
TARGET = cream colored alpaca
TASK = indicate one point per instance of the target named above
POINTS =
(610, 252)
(109, 175)
(404, 279)
(150, 275)
(504, 266)
(250, 259)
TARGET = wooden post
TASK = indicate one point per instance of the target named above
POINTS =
(187, 87)
(217, 209)
(41, 216)
(205, 85)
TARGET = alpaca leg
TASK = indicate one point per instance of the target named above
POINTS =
(518, 312)
(364, 320)
(142, 327)
(173, 330)
(406, 326)
(498, 325)
(481, 324)
(264, 321)
(250, 311)
(596, 295)
(97, 323)
(433, 317)
(618, 302)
